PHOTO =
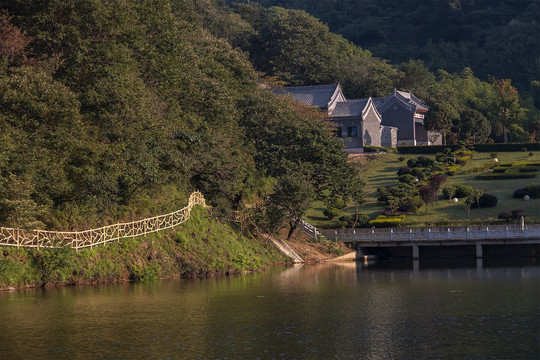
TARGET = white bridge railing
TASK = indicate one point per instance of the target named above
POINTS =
(310, 230)
(93, 237)
(436, 233)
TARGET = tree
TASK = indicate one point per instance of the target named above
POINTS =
(13, 40)
(473, 127)
(440, 118)
(357, 195)
(428, 193)
(508, 108)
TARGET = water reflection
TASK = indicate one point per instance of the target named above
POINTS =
(398, 310)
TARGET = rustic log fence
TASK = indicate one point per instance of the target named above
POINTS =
(95, 237)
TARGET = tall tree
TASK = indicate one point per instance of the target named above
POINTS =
(508, 107)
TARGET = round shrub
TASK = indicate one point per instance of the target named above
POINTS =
(424, 161)
(412, 162)
(363, 220)
(486, 200)
(345, 218)
(383, 193)
(533, 190)
(419, 173)
(407, 179)
(339, 203)
(410, 205)
(459, 191)
(404, 170)
(505, 215)
(331, 212)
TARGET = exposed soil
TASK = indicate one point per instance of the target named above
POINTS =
(315, 251)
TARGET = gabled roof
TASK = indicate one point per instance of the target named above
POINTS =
(394, 98)
(412, 99)
(352, 107)
(317, 95)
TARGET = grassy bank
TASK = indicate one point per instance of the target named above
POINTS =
(199, 247)
(381, 170)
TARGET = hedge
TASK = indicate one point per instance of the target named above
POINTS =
(387, 221)
(505, 176)
(533, 190)
(495, 147)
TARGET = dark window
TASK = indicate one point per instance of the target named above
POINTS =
(352, 131)
(337, 131)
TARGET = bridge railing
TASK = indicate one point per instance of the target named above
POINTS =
(310, 230)
(435, 233)
(94, 237)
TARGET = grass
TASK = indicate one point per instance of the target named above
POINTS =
(199, 247)
(380, 170)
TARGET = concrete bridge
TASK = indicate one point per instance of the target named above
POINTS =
(437, 242)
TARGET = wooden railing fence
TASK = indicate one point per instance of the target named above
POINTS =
(94, 237)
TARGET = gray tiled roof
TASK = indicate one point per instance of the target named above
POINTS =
(413, 99)
(318, 95)
(352, 107)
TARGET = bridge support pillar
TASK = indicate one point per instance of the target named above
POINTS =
(415, 252)
(359, 253)
(479, 250)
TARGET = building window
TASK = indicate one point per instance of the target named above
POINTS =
(352, 131)
(337, 131)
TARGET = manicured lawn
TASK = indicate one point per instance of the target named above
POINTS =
(380, 170)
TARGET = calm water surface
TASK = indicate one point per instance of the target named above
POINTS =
(349, 311)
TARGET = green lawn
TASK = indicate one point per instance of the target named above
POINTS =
(380, 170)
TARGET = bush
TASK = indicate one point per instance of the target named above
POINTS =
(533, 190)
(460, 191)
(363, 220)
(410, 205)
(506, 215)
(384, 194)
(404, 171)
(407, 179)
(452, 170)
(507, 147)
(505, 176)
(437, 180)
(486, 200)
(412, 162)
(425, 162)
(331, 212)
(517, 214)
(418, 173)
(387, 221)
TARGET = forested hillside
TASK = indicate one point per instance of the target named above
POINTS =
(112, 110)
(492, 37)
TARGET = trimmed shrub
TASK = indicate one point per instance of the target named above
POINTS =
(431, 149)
(452, 170)
(419, 173)
(363, 220)
(407, 179)
(331, 213)
(437, 180)
(486, 200)
(412, 162)
(460, 191)
(384, 194)
(533, 190)
(387, 221)
(506, 215)
(404, 171)
(507, 147)
(505, 176)
(410, 205)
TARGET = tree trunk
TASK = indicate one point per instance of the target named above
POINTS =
(505, 135)
(356, 215)
(293, 224)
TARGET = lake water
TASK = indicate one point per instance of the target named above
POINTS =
(408, 310)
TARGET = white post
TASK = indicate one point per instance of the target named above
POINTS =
(391, 234)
